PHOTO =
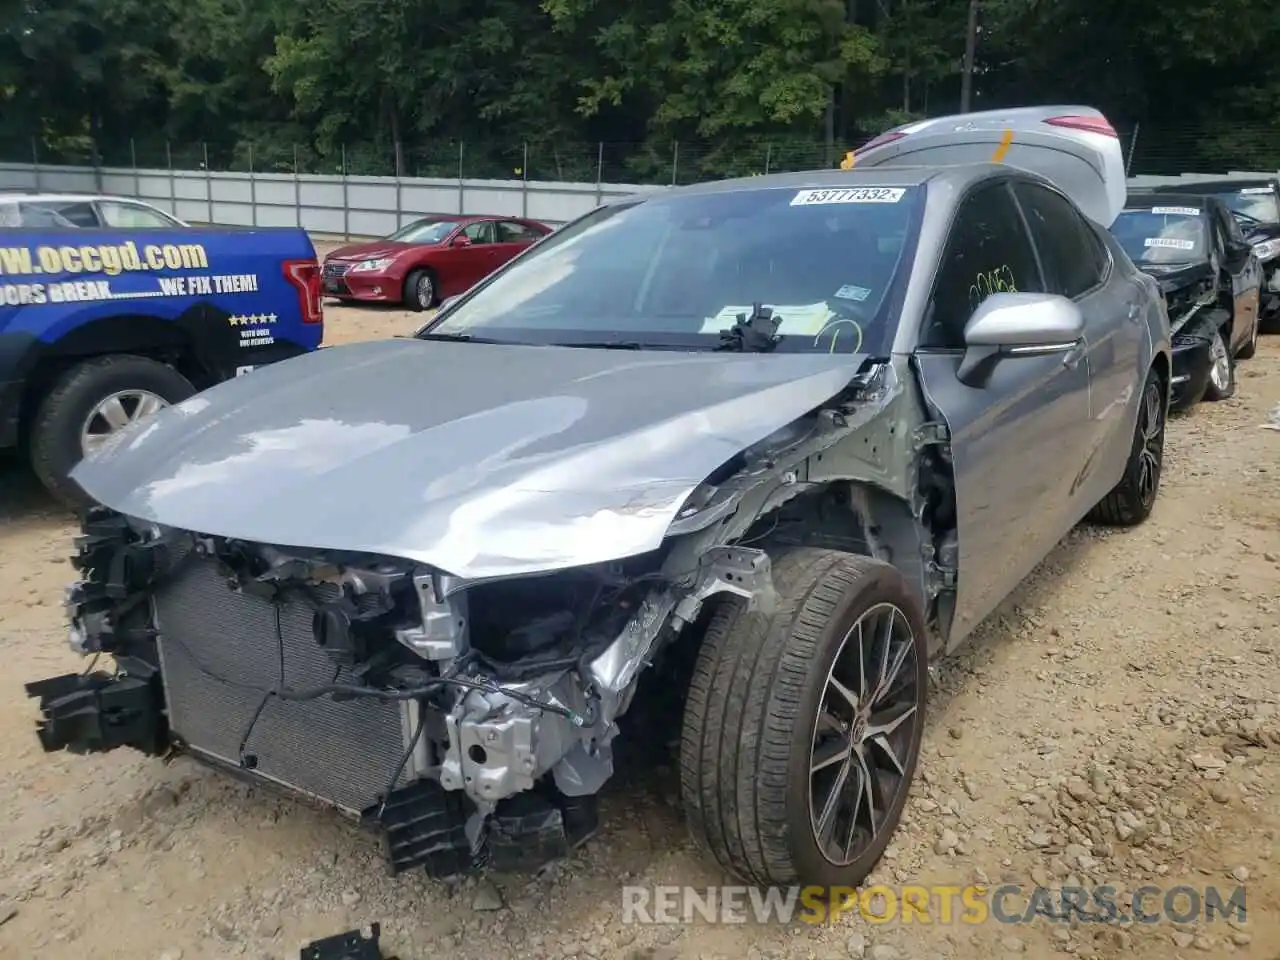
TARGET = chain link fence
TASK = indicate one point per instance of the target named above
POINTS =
(1149, 149)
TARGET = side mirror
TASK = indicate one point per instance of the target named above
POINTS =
(1017, 324)
(462, 240)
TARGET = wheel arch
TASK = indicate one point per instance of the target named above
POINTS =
(136, 334)
(862, 519)
(1162, 364)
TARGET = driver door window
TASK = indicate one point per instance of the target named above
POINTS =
(1231, 227)
(480, 232)
(988, 252)
(511, 232)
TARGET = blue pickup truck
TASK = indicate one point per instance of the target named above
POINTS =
(100, 327)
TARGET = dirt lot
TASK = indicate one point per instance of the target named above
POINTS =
(1116, 722)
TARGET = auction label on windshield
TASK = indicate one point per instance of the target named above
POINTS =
(1169, 243)
(848, 195)
(1178, 211)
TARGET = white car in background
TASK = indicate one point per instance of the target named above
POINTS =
(20, 209)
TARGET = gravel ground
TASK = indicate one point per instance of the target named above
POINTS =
(1117, 721)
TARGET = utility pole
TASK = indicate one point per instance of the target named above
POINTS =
(970, 42)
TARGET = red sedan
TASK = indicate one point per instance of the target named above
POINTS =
(427, 260)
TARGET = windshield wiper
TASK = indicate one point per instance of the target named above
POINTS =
(757, 333)
(458, 338)
(603, 344)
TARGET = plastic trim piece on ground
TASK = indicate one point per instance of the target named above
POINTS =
(352, 945)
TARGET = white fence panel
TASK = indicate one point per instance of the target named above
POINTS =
(354, 206)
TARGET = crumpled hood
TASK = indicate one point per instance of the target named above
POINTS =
(478, 459)
(1173, 277)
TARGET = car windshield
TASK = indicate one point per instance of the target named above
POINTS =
(428, 230)
(1256, 203)
(676, 271)
(1162, 234)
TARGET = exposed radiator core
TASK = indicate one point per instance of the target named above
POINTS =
(343, 753)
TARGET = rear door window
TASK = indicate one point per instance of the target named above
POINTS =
(1073, 257)
(511, 232)
(133, 215)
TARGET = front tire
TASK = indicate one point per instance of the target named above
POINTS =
(802, 729)
(87, 404)
(420, 290)
(1131, 500)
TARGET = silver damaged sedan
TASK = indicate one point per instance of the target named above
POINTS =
(761, 448)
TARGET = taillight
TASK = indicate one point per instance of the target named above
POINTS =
(1087, 124)
(881, 140)
(305, 276)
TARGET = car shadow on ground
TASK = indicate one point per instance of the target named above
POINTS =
(22, 497)
(371, 305)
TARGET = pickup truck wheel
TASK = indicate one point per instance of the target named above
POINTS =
(420, 290)
(1222, 369)
(803, 726)
(1131, 500)
(89, 403)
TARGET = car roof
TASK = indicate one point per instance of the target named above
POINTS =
(470, 218)
(19, 194)
(1143, 198)
(959, 175)
(1213, 186)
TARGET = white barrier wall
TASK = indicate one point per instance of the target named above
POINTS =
(350, 206)
(330, 205)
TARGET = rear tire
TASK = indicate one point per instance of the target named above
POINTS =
(1131, 500)
(763, 704)
(62, 417)
(1222, 369)
(420, 291)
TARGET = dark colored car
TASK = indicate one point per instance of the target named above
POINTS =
(428, 260)
(1256, 206)
(1211, 281)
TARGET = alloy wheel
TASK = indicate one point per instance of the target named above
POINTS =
(426, 292)
(114, 413)
(1151, 450)
(866, 722)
